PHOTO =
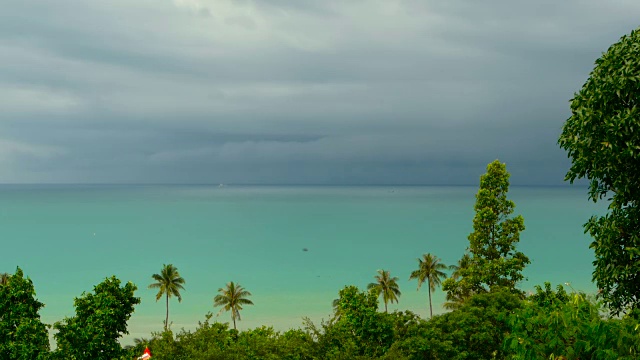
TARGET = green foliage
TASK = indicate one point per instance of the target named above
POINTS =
(558, 325)
(474, 331)
(430, 270)
(387, 286)
(602, 140)
(22, 335)
(231, 298)
(169, 283)
(100, 320)
(601, 136)
(477, 329)
(547, 298)
(494, 262)
(213, 341)
(360, 331)
(617, 251)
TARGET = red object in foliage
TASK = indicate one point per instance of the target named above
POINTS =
(146, 355)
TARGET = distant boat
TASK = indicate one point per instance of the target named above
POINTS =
(221, 185)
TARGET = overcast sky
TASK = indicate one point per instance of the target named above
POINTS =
(294, 91)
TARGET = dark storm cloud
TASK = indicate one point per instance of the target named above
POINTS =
(274, 91)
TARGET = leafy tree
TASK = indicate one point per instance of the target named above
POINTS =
(231, 299)
(22, 335)
(100, 320)
(494, 262)
(169, 283)
(387, 286)
(602, 139)
(361, 332)
(430, 270)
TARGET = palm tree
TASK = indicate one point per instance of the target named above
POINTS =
(430, 270)
(387, 286)
(231, 299)
(336, 306)
(463, 263)
(455, 300)
(138, 345)
(168, 282)
(4, 278)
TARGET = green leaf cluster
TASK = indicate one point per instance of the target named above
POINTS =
(555, 325)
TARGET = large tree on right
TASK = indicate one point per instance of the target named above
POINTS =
(602, 138)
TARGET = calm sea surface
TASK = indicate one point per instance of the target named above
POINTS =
(68, 238)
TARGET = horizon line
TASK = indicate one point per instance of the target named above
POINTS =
(272, 184)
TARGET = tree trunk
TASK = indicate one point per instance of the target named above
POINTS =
(430, 306)
(234, 323)
(385, 307)
(166, 321)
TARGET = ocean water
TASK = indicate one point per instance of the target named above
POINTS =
(68, 238)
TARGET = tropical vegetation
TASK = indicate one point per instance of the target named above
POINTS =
(489, 316)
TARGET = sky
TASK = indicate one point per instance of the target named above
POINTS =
(294, 92)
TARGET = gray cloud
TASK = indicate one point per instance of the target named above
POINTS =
(274, 91)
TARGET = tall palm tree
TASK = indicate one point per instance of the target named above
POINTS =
(429, 270)
(169, 283)
(387, 286)
(231, 299)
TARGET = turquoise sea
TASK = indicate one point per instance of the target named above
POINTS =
(68, 238)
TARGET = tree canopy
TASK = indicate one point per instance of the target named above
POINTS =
(602, 139)
(22, 335)
(100, 320)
